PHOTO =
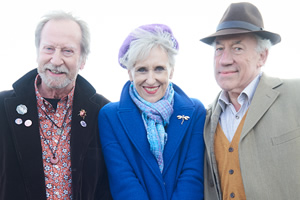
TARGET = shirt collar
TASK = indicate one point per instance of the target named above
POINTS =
(246, 95)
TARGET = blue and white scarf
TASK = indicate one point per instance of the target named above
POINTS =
(156, 116)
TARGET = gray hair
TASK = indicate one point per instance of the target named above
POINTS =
(61, 15)
(145, 41)
(262, 44)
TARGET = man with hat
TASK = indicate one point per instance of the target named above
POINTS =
(252, 129)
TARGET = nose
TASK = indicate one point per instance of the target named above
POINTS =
(226, 58)
(151, 78)
(57, 58)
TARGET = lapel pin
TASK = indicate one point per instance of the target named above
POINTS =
(183, 118)
(82, 113)
(28, 123)
(18, 121)
(21, 109)
(83, 123)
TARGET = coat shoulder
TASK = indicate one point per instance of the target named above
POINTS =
(99, 99)
(109, 109)
(6, 94)
(199, 107)
(197, 103)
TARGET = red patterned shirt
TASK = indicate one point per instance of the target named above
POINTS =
(55, 133)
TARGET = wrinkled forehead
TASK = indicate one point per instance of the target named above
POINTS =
(62, 33)
(236, 38)
(62, 28)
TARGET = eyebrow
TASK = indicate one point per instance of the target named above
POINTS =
(54, 46)
(237, 42)
(234, 42)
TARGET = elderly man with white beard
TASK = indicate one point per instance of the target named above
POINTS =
(49, 141)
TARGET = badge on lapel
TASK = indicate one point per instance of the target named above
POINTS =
(183, 118)
(21, 109)
(82, 113)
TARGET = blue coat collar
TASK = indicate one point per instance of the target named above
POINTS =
(132, 122)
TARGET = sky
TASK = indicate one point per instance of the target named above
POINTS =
(110, 21)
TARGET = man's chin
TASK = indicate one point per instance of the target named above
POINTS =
(55, 84)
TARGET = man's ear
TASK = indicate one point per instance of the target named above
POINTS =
(263, 58)
(82, 65)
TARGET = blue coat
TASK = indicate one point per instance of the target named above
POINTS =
(132, 168)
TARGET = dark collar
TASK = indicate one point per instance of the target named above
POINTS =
(21, 85)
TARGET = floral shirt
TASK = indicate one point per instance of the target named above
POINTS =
(55, 134)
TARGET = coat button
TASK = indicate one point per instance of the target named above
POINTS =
(230, 149)
(231, 171)
(232, 195)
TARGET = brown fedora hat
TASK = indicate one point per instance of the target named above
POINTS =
(242, 18)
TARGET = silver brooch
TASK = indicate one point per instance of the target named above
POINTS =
(183, 118)
(21, 109)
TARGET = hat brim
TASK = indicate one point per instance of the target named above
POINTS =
(273, 37)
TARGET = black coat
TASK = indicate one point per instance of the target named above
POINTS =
(21, 164)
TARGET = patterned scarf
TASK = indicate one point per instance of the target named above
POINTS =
(156, 116)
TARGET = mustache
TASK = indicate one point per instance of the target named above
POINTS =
(59, 69)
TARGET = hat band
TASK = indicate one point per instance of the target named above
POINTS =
(238, 24)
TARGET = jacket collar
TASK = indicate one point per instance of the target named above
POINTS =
(263, 98)
(132, 122)
(27, 139)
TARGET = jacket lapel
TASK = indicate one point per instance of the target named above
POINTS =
(177, 128)
(211, 122)
(27, 139)
(82, 129)
(133, 123)
(264, 97)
